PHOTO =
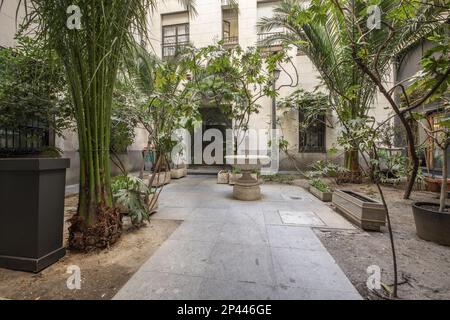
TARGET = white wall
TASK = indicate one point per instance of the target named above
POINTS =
(8, 26)
(206, 28)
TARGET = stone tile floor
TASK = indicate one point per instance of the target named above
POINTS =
(229, 249)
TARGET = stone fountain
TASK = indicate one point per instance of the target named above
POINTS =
(247, 188)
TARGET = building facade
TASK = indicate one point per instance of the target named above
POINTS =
(172, 26)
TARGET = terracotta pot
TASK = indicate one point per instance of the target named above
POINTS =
(434, 184)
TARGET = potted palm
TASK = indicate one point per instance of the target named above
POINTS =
(32, 173)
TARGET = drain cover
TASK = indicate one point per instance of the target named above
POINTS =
(303, 218)
(295, 198)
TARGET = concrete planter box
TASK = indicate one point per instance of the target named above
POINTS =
(324, 196)
(359, 209)
(178, 173)
(161, 179)
(31, 212)
(223, 177)
(233, 177)
(432, 225)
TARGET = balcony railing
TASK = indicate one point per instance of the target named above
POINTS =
(230, 41)
(269, 39)
(29, 139)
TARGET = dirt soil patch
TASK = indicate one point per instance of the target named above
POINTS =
(103, 273)
(424, 267)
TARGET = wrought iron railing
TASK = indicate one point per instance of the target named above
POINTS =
(269, 39)
(230, 41)
(29, 139)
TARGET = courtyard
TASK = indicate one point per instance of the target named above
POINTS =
(224, 150)
(229, 249)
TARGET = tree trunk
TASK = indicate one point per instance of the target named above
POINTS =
(444, 181)
(351, 163)
(97, 224)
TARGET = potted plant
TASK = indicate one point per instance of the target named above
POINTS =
(178, 169)
(160, 178)
(32, 173)
(433, 219)
(170, 105)
(321, 190)
(223, 177)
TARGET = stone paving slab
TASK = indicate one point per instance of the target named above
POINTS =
(293, 238)
(180, 257)
(228, 249)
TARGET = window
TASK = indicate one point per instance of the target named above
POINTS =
(226, 29)
(23, 140)
(312, 138)
(434, 154)
(174, 37)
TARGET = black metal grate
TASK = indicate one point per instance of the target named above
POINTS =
(312, 139)
(29, 139)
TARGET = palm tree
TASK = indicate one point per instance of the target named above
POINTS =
(327, 32)
(91, 57)
(327, 45)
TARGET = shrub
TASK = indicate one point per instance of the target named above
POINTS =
(320, 185)
(130, 192)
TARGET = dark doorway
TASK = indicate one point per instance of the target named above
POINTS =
(214, 118)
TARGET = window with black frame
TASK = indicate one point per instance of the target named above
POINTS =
(312, 138)
(174, 37)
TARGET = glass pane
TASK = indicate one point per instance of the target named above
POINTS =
(169, 31)
(183, 29)
(170, 40)
(168, 51)
(183, 39)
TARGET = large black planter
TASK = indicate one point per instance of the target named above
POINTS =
(432, 225)
(31, 212)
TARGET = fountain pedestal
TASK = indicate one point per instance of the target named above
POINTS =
(247, 188)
